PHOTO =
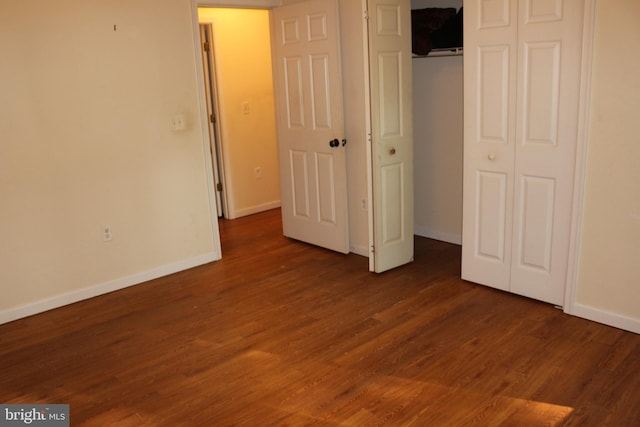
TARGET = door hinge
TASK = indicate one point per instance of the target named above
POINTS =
(219, 186)
(366, 14)
(205, 46)
(212, 118)
(373, 249)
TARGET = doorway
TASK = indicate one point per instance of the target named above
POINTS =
(242, 88)
(357, 123)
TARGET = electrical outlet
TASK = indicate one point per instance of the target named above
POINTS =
(258, 172)
(107, 236)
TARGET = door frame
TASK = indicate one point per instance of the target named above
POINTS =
(202, 101)
(216, 145)
(580, 173)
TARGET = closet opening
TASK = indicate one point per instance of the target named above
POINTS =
(438, 101)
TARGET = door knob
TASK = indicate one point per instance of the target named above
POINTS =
(334, 143)
(392, 151)
(491, 156)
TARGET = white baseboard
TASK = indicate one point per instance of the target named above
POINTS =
(606, 317)
(47, 304)
(359, 250)
(456, 239)
(255, 209)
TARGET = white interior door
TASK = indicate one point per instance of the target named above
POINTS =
(490, 62)
(210, 89)
(308, 97)
(390, 82)
(522, 82)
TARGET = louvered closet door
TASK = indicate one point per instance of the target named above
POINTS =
(518, 200)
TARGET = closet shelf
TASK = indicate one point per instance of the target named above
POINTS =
(450, 51)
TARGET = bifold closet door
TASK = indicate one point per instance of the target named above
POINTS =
(490, 63)
(522, 79)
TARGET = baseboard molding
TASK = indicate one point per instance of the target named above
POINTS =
(606, 317)
(255, 209)
(456, 239)
(47, 304)
(359, 250)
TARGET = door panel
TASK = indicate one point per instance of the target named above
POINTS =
(490, 213)
(493, 94)
(320, 91)
(543, 11)
(540, 91)
(326, 190)
(390, 77)
(393, 209)
(493, 13)
(299, 183)
(536, 223)
(293, 85)
(308, 86)
(390, 91)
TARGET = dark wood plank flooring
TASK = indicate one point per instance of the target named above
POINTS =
(283, 333)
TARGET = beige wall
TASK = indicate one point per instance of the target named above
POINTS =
(438, 147)
(609, 274)
(438, 97)
(244, 76)
(86, 141)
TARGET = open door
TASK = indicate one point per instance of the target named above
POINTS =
(208, 68)
(390, 82)
(310, 123)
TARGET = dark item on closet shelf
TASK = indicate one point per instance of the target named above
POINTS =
(435, 28)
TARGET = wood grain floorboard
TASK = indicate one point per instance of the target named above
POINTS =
(283, 333)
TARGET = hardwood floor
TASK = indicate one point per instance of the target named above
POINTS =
(283, 333)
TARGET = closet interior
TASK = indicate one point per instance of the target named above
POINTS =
(438, 118)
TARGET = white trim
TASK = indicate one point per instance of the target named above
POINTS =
(57, 301)
(241, 4)
(368, 131)
(607, 317)
(454, 238)
(359, 250)
(255, 209)
(204, 131)
(573, 262)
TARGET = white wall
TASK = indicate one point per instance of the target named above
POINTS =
(438, 97)
(438, 147)
(86, 141)
(609, 274)
(244, 75)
